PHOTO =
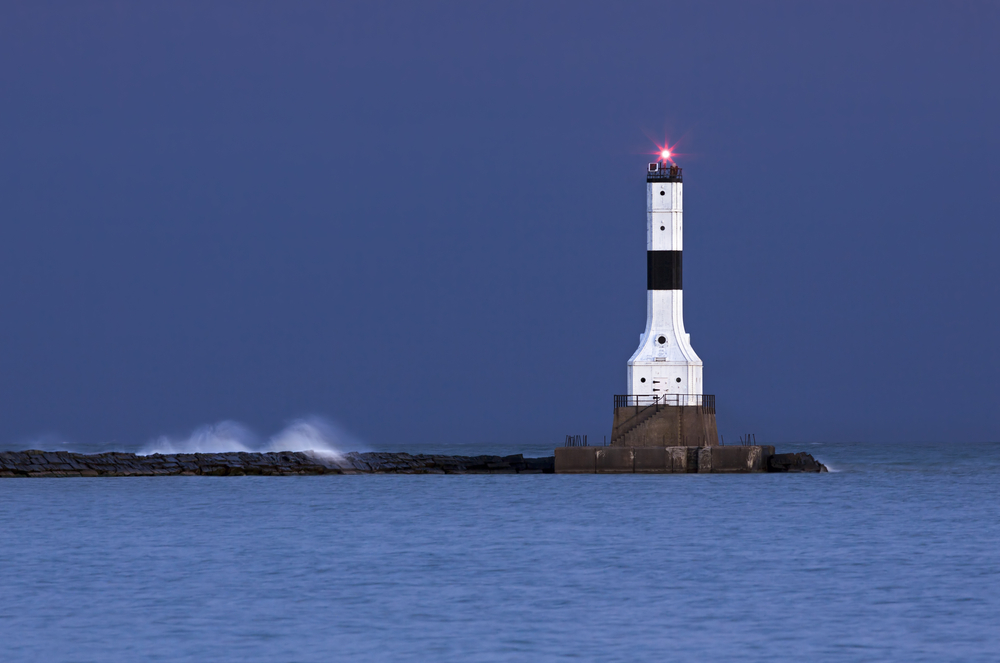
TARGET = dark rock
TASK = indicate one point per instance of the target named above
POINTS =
(797, 462)
(116, 464)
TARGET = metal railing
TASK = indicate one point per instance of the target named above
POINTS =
(706, 401)
(576, 441)
(664, 173)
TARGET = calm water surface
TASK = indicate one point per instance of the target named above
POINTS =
(895, 557)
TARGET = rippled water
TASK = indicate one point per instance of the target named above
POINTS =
(892, 558)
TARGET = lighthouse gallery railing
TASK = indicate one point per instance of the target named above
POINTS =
(706, 401)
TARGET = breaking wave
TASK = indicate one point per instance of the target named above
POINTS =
(312, 434)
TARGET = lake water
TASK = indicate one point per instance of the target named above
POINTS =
(895, 556)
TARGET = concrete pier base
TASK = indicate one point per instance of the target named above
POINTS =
(667, 460)
(663, 425)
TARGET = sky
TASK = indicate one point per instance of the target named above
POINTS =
(426, 221)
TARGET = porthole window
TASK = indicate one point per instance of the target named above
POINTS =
(663, 227)
(661, 340)
(642, 379)
(678, 379)
(663, 193)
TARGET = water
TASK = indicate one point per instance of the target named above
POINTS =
(892, 558)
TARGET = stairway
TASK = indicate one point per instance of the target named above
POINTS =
(641, 417)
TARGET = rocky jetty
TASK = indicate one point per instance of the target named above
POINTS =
(282, 463)
(289, 463)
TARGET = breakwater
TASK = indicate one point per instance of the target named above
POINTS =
(598, 460)
(282, 463)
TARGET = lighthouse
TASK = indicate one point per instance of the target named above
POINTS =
(665, 367)
(666, 422)
(665, 404)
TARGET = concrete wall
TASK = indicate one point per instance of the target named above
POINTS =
(741, 459)
(663, 426)
(615, 460)
(577, 460)
(662, 460)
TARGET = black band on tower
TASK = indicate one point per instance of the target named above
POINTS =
(663, 270)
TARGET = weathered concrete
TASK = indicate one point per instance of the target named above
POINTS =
(67, 464)
(704, 460)
(652, 460)
(664, 426)
(741, 459)
(576, 460)
(679, 460)
(614, 460)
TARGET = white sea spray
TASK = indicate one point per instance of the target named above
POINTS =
(221, 437)
(313, 434)
(320, 436)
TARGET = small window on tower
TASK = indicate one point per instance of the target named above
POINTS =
(678, 379)
(663, 193)
(642, 379)
(661, 340)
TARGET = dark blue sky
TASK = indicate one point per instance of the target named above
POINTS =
(427, 220)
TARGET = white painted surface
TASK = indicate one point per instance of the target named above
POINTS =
(664, 216)
(667, 367)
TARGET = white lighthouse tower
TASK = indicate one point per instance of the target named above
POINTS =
(665, 368)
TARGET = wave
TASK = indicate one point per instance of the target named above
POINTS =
(311, 434)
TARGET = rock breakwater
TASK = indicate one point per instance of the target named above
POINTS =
(285, 463)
